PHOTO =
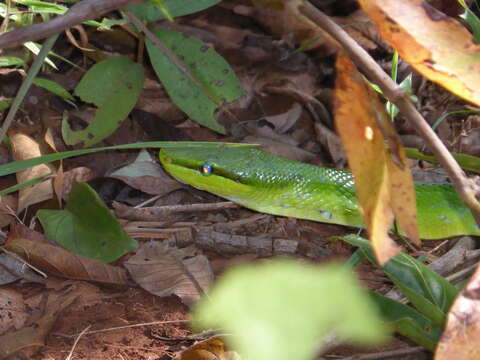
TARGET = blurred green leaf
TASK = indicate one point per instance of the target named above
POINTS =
(283, 310)
(114, 86)
(86, 227)
(10, 61)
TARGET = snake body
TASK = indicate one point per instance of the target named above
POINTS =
(275, 185)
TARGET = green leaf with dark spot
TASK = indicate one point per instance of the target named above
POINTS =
(211, 82)
(113, 85)
(86, 227)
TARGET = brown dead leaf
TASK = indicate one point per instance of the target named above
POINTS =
(60, 262)
(210, 349)
(462, 332)
(39, 327)
(146, 175)
(78, 175)
(13, 312)
(24, 147)
(13, 268)
(437, 46)
(355, 110)
(8, 207)
(164, 270)
(282, 19)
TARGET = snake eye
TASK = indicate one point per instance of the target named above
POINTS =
(207, 169)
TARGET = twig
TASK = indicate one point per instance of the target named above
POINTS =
(157, 212)
(124, 327)
(465, 187)
(82, 11)
(76, 342)
(32, 73)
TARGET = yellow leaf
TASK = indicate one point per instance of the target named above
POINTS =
(437, 46)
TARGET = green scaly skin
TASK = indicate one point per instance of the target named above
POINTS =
(275, 185)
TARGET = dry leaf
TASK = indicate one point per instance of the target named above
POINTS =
(8, 207)
(377, 178)
(13, 313)
(146, 175)
(462, 332)
(60, 262)
(40, 326)
(282, 19)
(210, 349)
(437, 46)
(24, 147)
(164, 270)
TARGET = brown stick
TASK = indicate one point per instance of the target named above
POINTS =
(465, 187)
(82, 11)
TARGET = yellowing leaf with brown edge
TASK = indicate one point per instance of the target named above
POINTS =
(462, 333)
(437, 46)
(377, 176)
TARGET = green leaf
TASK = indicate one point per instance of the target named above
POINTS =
(467, 162)
(408, 321)
(53, 87)
(5, 104)
(429, 292)
(86, 227)
(42, 7)
(214, 84)
(10, 61)
(114, 86)
(149, 12)
(282, 309)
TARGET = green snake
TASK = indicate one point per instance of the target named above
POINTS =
(270, 184)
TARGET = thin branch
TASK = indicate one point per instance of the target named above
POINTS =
(82, 11)
(465, 187)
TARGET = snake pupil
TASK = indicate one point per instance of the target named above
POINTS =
(207, 169)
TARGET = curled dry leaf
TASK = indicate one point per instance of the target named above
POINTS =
(462, 332)
(60, 262)
(164, 270)
(24, 147)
